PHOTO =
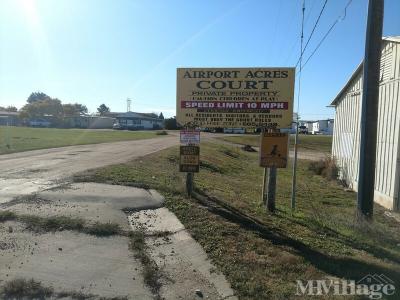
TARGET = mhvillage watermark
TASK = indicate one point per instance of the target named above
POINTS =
(373, 286)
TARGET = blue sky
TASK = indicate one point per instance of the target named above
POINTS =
(103, 51)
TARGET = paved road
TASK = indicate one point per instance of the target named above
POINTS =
(32, 171)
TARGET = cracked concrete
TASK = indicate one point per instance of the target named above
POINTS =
(71, 261)
(180, 257)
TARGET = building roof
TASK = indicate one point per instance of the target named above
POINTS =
(394, 39)
(130, 114)
(9, 113)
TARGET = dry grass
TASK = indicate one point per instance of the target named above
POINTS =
(325, 167)
(151, 272)
(321, 239)
(22, 289)
(60, 223)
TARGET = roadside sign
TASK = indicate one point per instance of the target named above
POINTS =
(190, 137)
(235, 97)
(189, 159)
(274, 149)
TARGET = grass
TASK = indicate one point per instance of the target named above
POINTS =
(7, 216)
(263, 259)
(60, 223)
(21, 288)
(103, 229)
(320, 143)
(151, 272)
(17, 139)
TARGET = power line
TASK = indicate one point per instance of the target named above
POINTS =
(340, 18)
(296, 41)
(309, 13)
(313, 30)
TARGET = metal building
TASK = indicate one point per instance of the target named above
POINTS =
(138, 121)
(346, 135)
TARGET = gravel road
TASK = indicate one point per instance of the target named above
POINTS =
(32, 171)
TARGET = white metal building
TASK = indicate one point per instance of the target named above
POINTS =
(346, 137)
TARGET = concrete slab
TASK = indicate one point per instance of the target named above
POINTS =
(91, 201)
(70, 261)
(156, 220)
(180, 258)
(117, 196)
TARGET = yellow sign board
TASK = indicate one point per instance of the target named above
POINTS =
(274, 149)
(235, 97)
(189, 159)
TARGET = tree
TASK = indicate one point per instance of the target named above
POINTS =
(103, 109)
(11, 108)
(161, 116)
(82, 109)
(70, 110)
(37, 96)
(171, 124)
(51, 107)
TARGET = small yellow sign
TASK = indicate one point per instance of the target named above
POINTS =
(274, 149)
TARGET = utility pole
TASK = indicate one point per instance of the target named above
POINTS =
(369, 109)
(296, 138)
(128, 104)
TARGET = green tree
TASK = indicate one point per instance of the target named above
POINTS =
(171, 124)
(37, 96)
(50, 107)
(82, 109)
(11, 108)
(70, 110)
(161, 116)
(103, 109)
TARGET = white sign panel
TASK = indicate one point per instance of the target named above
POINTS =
(190, 137)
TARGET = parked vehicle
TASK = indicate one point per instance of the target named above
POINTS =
(234, 130)
(303, 129)
(39, 123)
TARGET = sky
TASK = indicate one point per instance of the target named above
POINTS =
(104, 51)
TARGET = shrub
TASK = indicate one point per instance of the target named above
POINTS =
(325, 167)
(163, 132)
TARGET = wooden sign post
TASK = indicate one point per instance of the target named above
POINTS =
(273, 155)
(189, 161)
